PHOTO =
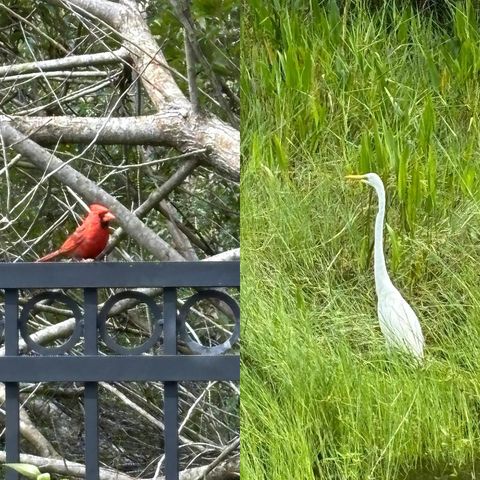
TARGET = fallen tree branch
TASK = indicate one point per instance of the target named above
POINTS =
(104, 58)
(180, 240)
(104, 10)
(224, 454)
(169, 128)
(56, 75)
(229, 255)
(31, 433)
(65, 467)
(221, 139)
(226, 471)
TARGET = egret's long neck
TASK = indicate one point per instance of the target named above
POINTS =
(381, 274)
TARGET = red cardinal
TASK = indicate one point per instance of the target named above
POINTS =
(89, 239)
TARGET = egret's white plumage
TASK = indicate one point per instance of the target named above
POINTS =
(398, 321)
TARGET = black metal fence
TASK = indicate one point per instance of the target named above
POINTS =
(51, 364)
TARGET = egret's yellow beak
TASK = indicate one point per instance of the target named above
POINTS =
(355, 177)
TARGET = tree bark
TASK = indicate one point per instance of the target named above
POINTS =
(168, 128)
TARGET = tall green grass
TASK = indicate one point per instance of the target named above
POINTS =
(326, 93)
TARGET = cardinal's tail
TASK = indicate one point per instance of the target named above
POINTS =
(50, 256)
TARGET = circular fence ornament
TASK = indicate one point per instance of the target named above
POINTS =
(193, 345)
(157, 323)
(77, 330)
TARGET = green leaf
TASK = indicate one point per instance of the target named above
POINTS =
(402, 176)
(427, 124)
(300, 299)
(395, 250)
(432, 174)
(468, 177)
(280, 153)
(391, 146)
(365, 154)
(433, 71)
(29, 471)
(383, 161)
(364, 253)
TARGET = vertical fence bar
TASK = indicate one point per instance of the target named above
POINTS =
(12, 397)
(170, 388)
(91, 388)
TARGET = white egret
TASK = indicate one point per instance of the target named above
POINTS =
(398, 321)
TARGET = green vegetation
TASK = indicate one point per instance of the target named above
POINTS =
(28, 471)
(327, 92)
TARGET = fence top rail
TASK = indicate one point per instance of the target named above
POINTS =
(119, 274)
(116, 368)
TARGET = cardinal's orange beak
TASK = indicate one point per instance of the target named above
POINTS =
(108, 217)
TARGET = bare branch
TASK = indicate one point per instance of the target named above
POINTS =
(228, 256)
(180, 240)
(153, 199)
(168, 128)
(109, 12)
(65, 467)
(192, 236)
(177, 121)
(56, 75)
(192, 76)
(228, 470)
(140, 411)
(30, 432)
(106, 58)
(224, 454)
